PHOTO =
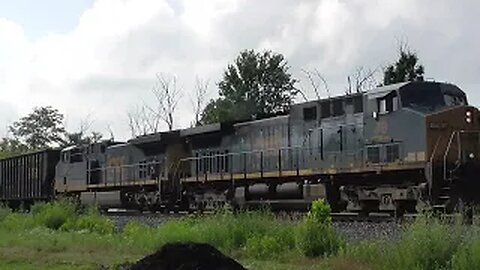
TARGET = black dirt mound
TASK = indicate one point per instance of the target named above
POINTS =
(186, 256)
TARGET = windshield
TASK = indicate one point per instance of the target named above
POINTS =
(454, 100)
(423, 97)
(429, 97)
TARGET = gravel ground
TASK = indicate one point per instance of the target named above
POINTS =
(352, 230)
(148, 219)
(359, 231)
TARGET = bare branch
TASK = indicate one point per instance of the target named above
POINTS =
(302, 93)
(198, 100)
(167, 95)
(363, 79)
(325, 84)
(312, 83)
(315, 78)
(85, 124)
(110, 131)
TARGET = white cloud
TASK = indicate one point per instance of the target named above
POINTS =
(107, 63)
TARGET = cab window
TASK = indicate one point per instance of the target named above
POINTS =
(454, 100)
(388, 103)
(422, 97)
(76, 155)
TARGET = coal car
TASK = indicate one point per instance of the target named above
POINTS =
(26, 179)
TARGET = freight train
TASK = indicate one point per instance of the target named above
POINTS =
(397, 148)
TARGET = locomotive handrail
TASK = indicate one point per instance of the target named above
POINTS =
(456, 133)
(294, 155)
(120, 168)
(267, 150)
(447, 150)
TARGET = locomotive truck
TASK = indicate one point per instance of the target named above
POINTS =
(397, 148)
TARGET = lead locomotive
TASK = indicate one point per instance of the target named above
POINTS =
(397, 148)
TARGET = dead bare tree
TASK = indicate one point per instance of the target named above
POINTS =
(110, 131)
(141, 121)
(167, 95)
(361, 80)
(316, 78)
(148, 117)
(198, 99)
(302, 93)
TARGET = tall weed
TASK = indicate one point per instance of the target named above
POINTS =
(426, 244)
(53, 215)
(316, 235)
(468, 255)
(91, 221)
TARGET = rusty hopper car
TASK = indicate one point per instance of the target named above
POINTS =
(28, 178)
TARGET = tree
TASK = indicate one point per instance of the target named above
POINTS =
(147, 118)
(361, 80)
(40, 129)
(167, 96)
(198, 100)
(218, 111)
(11, 147)
(406, 68)
(315, 78)
(143, 120)
(255, 85)
(82, 136)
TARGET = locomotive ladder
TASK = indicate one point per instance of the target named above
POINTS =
(448, 180)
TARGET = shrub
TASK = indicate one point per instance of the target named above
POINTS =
(54, 214)
(320, 212)
(4, 212)
(426, 244)
(18, 222)
(90, 222)
(367, 251)
(468, 256)
(318, 239)
(316, 235)
(266, 246)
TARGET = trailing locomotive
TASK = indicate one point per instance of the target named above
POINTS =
(397, 148)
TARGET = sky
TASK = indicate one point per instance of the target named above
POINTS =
(97, 60)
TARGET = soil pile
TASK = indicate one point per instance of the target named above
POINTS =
(186, 256)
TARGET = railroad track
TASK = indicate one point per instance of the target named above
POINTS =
(336, 217)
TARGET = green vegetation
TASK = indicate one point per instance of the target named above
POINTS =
(405, 69)
(256, 85)
(58, 236)
(316, 235)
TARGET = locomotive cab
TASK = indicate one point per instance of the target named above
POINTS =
(79, 166)
(415, 133)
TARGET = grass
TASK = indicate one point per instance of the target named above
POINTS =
(58, 236)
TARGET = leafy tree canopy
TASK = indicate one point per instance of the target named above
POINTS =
(405, 69)
(255, 85)
(11, 147)
(40, 129)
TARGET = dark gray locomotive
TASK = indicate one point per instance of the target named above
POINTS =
(396, 148)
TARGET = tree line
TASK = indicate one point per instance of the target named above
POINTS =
(255, 85)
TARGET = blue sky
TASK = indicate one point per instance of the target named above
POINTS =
(41, 17)
(96, 60)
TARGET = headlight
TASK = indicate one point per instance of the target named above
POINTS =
(468, 117)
